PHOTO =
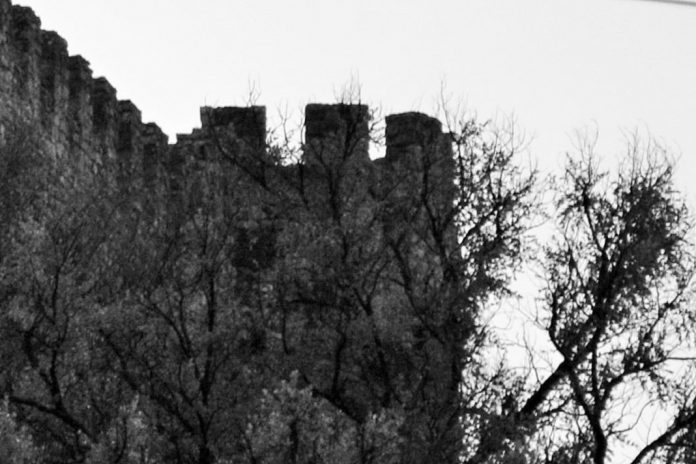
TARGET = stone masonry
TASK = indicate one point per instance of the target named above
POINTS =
(76, 114)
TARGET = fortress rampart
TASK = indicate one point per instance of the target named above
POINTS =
(337, 266)
(77, 114)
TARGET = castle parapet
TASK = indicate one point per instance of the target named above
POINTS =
(336, 133)
(155, 145)
(5, 20)
(421, 156)
(41, 86)
(25, 46)
(45, 89)
(129, 126)
(129, 142)
(80, 112)
(104, 117)
(412, 136)
(54, 86)
(248, 123)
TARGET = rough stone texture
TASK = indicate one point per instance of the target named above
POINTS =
(25, 44)
(80, 115)
(408, 130)
(154, 147)
(54, 89)
(248, 123)
(334, 133)
(79, 118)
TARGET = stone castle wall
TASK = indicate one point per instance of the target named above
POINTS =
(73, 112)
(77, 114)
(385, 206)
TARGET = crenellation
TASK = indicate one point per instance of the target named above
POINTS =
(24, 19)
(419, 157)
(153, 135)
(54, 77)
(128, 110)
(25, 45)
(334, 133)
(129, 142)
(322, 120)
(411, 135)
(415, 140)
(104, 118)
(155, 145)
(249, 123)
(6, 98)
(40, 84)
(79, 119)
(104, 104)
(5, 20)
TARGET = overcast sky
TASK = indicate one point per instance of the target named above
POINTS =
(557, 65)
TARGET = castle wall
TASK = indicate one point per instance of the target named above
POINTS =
(341, 191)
(76, 114)
(336, 133)
(79, 117)
(54, 96)
(246, 123)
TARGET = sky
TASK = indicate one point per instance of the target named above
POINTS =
(556, 66)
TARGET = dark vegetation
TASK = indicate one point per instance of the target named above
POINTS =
(242, 307)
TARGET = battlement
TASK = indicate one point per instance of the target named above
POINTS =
(326, 120)
(408, 129)
(43, 86)
(155, 145)
(249, 123)
(81, 115)
(24, 20)
(413, 138)
(336, 133)
(129, 129)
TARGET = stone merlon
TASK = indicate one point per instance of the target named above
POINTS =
(24, 33)
(249, 122)
(54, 76)
(54, 48)
(80, 113)
(25, 23)
(129, 127)
(323, 120)
(153, 135)
(104, 104)
(409, 131)
(128, 111)
(24, 48)
(336, 133)
(80, 73)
